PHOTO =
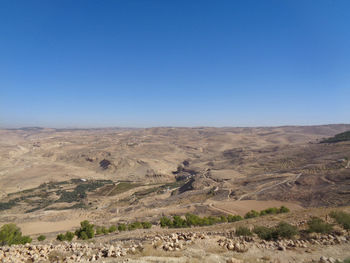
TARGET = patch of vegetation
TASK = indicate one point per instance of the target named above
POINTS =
(123, 187)
(340, 137)
(341, 218)
(268, 211)
(79, 192)
(7, 205)
(252, 214)
(317, 225)
(194, 220)
(122, 227)
(42, 191)
(234, 218)
(265, 233)
(10, 234)
(243, 231)
(112, 229)
(68, 236)
(274, 210)
(41, 238)
(282, 230)
(86, 230)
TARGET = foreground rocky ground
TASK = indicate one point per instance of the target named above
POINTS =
(188, 247)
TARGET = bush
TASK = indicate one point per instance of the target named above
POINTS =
(86, 230)
(265, 233)
(282, 230)
(274, 210)
(65, 237)
(112, 229)
(98, 230)
(165, 222)
(223, 219)
(121, 227)
(251, 214)
(146, 225)
(134, 225)
(41, 238)
(283, 209)
(61, 237)
(319, 226)
(285, 230)
(10, 234)
(179, 222)
(341, 218)
(269, 211)
(232, 218)
(104, 230)
(193, 220)
(243, 231)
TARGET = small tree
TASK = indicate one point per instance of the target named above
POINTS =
(41, 238)
(243, 231)
(86, 230)
(232, 218)
(69, 236)
(285, 230)
(146, 225)
(284, 209)
(251, 214)
(112, 229)
(265, 233)
(10, 234)
(341, 218)
(165, 222)
(121, 227)
(319, 226)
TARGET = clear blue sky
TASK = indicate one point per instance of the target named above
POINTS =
(148, 63)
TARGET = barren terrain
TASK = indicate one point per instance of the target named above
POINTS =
(51, 179)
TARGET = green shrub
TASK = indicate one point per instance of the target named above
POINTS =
(41, 238)
(98, 230)
(165, 222)
(146, 225)
(86, 230)
(112, 229)
(283, 209)
(243, 231)
(341, 218)
(121, 227)
(223, 219)
(61, 237)
(134, 225)
(65, 237)
(234, 218)
(193, 220)
(69, 236)
(282, 230)
(10, 234)
(285, 230)
(269, 211)
(179, 222)
(265, 233)
(251, 214)
(319, 226)
(104, 230)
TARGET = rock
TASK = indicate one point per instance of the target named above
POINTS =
(323, 259)
(234, 260)
(282, 248)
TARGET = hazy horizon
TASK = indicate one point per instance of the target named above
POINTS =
(83, 64)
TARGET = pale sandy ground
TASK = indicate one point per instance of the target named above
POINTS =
(242, 207)
(38, 227)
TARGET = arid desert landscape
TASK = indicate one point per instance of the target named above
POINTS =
(53, 179)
